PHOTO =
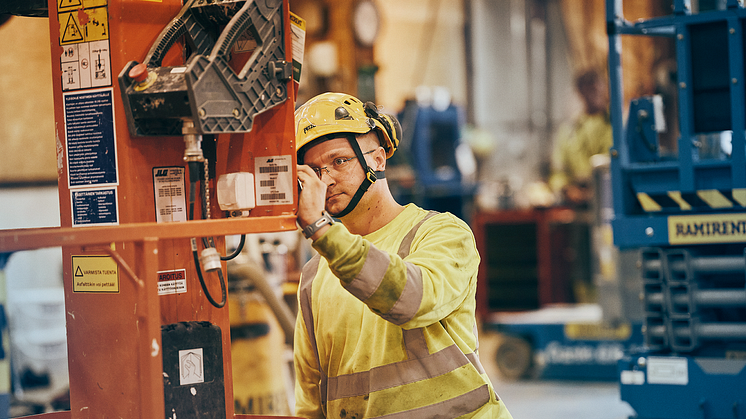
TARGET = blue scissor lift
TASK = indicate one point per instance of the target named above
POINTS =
(686, 212)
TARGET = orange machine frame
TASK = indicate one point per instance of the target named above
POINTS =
(114, 347)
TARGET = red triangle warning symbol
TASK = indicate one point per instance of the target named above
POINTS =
(63, 4)
(72, 31)
(78, 271)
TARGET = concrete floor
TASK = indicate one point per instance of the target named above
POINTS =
(545, 399)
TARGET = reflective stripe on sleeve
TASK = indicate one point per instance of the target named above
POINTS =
(474, 359)
(374, 269)
(371, 275)
(410, 299)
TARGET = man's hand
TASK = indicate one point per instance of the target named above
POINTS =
(312, 200)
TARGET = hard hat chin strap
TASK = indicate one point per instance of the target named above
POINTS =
(371, 176)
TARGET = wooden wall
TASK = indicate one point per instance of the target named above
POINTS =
(585, 27)
(27, 143)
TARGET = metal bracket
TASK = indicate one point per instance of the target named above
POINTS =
(208, 90)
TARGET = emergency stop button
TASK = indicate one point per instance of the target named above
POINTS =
(139, 72)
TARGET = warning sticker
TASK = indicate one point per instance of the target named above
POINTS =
(84, 36)
(95, 274)
(70, 5)
(274, 180)
(172, 282)
(170, 199)
(83, 23)
(70, 31)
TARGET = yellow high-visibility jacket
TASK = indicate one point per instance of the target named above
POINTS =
(387, 325)
(576, 143)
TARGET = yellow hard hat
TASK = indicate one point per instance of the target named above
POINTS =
(329, 114)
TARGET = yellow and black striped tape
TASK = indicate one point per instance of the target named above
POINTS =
(673, 201)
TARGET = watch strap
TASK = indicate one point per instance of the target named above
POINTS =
(312, 228)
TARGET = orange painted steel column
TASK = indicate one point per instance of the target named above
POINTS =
(110, 195)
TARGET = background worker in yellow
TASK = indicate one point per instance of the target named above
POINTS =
(386, 325)
(588, 135)
(572, 176)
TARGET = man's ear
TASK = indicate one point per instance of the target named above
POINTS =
(380, 158)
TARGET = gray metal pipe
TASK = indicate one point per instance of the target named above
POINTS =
(703, 264)
(706, 298)
(721, 330)
(703, 331)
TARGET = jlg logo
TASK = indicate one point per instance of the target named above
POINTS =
(161, 172)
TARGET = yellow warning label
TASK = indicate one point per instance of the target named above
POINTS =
(70, 5)
(714, 228)
(98, 274)
(83, 21)
(297, 21)
(63, 5)
(96, 25)
(70, 31)
(597, 331)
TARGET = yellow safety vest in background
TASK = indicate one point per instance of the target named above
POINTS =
(387, 324)
(576, 143)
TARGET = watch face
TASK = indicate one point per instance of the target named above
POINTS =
(366, 22)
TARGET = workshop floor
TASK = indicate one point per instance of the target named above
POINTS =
(545, 399)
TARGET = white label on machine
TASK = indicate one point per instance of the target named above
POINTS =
(668, 370)
(170, 199)
(298, 29)
(633, 378)
(85, 65)
(172, 282)
(191, 367)
(274, 180)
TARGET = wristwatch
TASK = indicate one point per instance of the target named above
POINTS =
(312, 228)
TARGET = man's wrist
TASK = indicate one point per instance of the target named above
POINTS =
(315, 226)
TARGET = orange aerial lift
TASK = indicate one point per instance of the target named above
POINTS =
(174, 128)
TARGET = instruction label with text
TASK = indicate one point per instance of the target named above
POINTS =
(298, 30)
(170, 199)
(94, 206)
(89, 130)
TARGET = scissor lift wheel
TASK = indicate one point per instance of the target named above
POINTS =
(514, 357)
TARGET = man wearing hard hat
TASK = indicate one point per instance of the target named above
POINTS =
(387, 324)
